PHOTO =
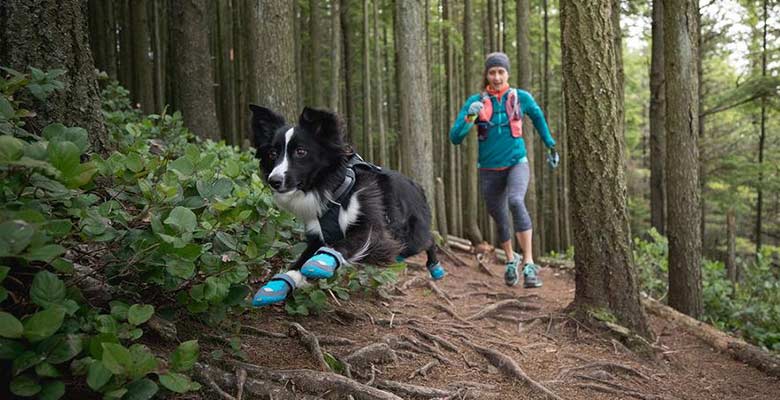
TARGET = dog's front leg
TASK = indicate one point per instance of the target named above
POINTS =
(312, 245)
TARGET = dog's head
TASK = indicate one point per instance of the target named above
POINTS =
(296, 157)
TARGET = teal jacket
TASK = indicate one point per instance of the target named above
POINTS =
(500, 149)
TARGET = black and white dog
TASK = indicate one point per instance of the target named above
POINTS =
(353, 211)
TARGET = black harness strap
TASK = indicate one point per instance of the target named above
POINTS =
(329, 220)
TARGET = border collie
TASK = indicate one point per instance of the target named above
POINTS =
(352, 211)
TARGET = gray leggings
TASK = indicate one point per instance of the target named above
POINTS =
(502, 188)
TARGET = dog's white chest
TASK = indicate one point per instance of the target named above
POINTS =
(346, 217)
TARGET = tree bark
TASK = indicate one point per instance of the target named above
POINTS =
(350, 75)
(143, 86)
(48, 35)
(368, 142)
(317, 38)
(276, 68)
(657, 119)
(194, 85)
(335, 55)
(380, 98)
(415, 101)
(605, 274)
(470, 155)
(761, 143)
(682, 166)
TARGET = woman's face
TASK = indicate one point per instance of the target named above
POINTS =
(497, 77)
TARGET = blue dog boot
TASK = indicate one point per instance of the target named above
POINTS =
(323, 264)
(274, 291)
(437, 271)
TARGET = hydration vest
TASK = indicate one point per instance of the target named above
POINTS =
(513, 112)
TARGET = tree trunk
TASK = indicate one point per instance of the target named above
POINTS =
(193, 81)
(605, 274)
(158, 64)
(317, 38)
(682, 166)
(225, 72)
(252, 17)
(368, 142)
(656, 119)
(380, 82)
(350, 82)
(53, 35)
(761, 141)
(415, 102)
(470, 188)
(524, 81)
(126, 73)
(276, 70)
(143, 85)
(335, 55)
(731, 245)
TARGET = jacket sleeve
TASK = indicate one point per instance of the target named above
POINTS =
(532, 110)
(462, 127)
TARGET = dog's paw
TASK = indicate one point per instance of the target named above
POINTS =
(437, 271)
(275, 291)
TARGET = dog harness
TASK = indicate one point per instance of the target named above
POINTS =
(329, 220)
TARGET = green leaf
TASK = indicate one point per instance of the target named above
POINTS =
(216, 289)
(185, 356)
(81, 175)
(10, 327)
(119, 309)
(60, 133)
(11, 148)
(6, 109)
(43, 324)
(65, 156)
(142, 389)
(144, 361)
(52, 390)
(14, 237)
(115, 394)
(232, 169)
(10, 349)
(228, 240)
(182, 219)
(4, 272)
(47, 289)
(134, 163)
(138, 314)
(62, 265)
(25, 386)
(182, 166)
(3, 294)
(98, 375)
(180, 269)
(69, 346)
(26, 360)
(176, 382)
(59, 227)
(44, 253)
(116, 358)
(96, 344)
(47, 370)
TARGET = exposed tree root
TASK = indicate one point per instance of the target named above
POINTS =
(311, 343)
(413, 282)
(439, 293)
(316, 382)
(203, 374)
(612, 390)
(436, 339)
(738, 348)
(335, 341)
(406, 390)
(604, 366)
(510, 368)
(453, 257)
(427, 349)
(451, 312)
(240, 382)
(525, 328)
(482, 266)
(423, 371)
(250, 330)
(377, 353)
(501, 305)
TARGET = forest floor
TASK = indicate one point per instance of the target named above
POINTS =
(568, 359)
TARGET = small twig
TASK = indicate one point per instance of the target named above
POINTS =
(423, 371)
(436, 339)
(259, 332)
(439, 293)
(482, 267)
(240, 381)
(334, 297)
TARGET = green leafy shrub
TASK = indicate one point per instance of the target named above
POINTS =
(750, 308)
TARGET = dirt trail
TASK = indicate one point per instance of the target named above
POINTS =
(435, 332)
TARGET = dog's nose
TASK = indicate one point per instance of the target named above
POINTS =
(275, 181)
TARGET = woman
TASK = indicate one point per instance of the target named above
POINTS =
(503, 166)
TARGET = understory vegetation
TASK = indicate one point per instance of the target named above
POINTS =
(97, 252)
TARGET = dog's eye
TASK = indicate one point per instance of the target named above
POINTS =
(300, 152)
(272, 155)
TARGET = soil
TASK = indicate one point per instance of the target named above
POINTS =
(556, 351)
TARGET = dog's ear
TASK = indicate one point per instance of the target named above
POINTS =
(264, 123)
(320, 122)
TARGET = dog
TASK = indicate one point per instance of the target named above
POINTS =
(353, 212)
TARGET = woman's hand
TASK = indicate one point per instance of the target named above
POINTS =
(475, 108)
(553, 159)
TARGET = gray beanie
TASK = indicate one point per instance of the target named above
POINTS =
(497, 59)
